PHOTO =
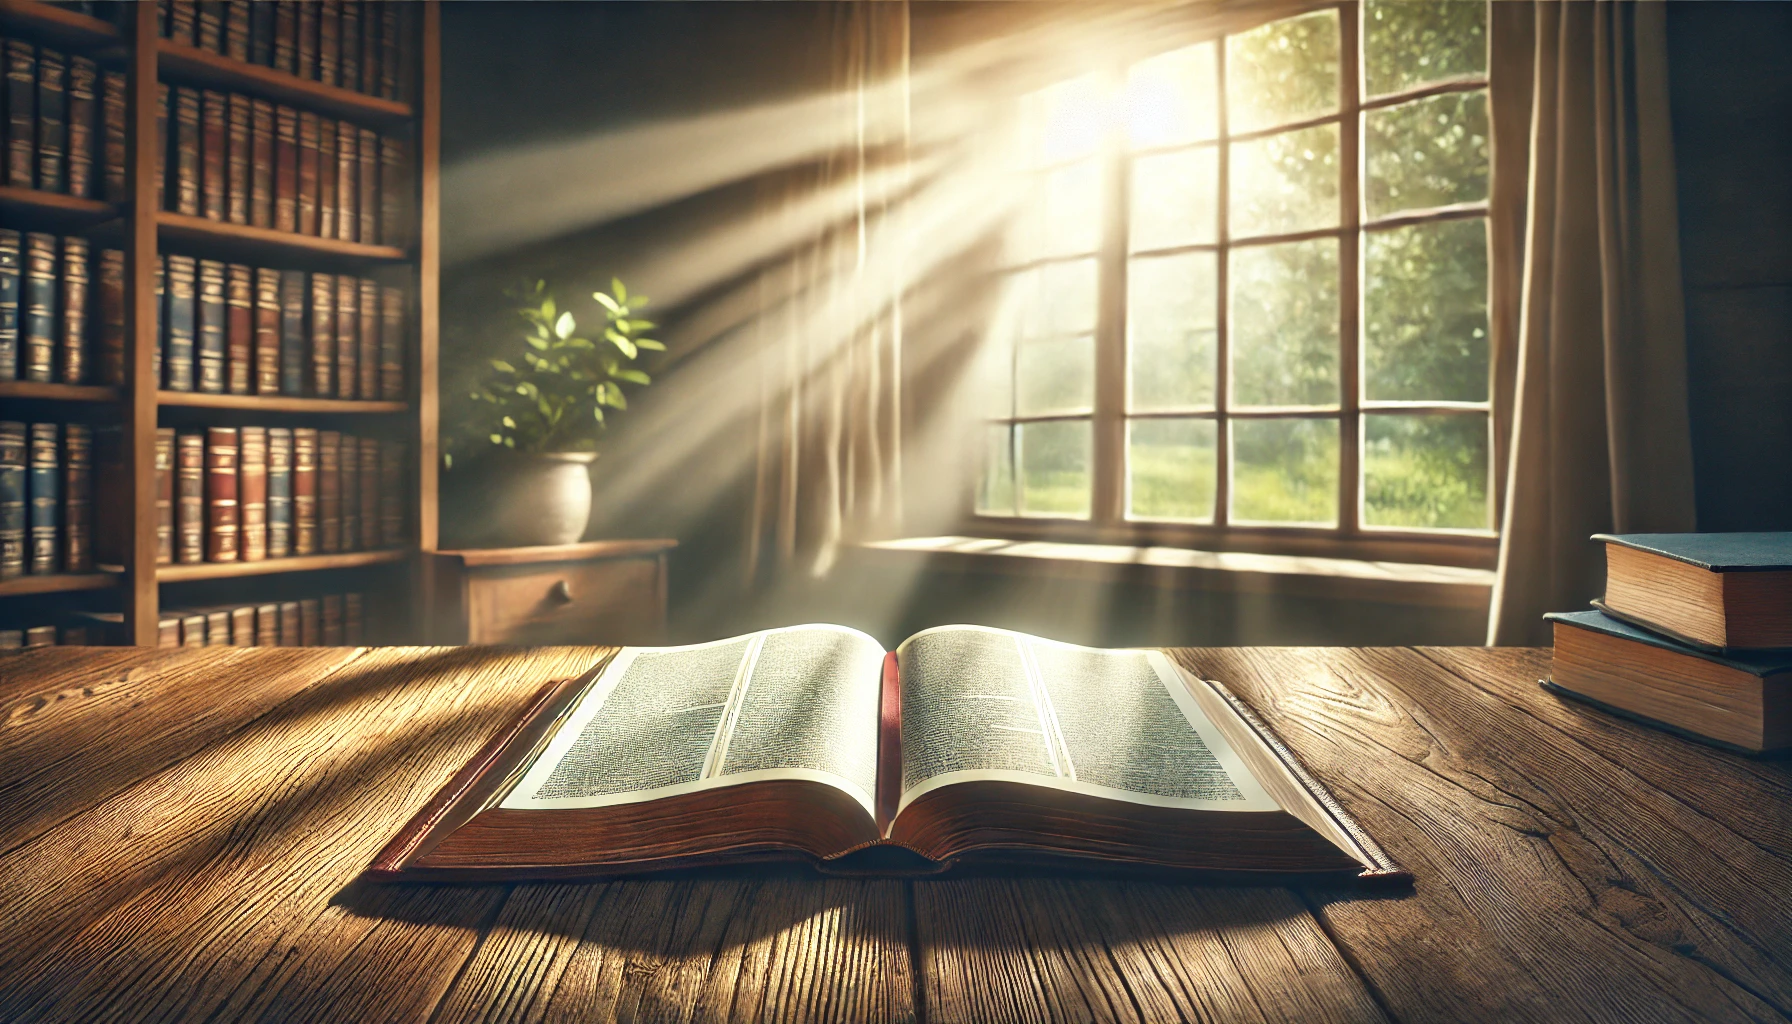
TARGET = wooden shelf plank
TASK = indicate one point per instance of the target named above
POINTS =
(30, 208)
(55, 25)
(240, 242)
(277, 403)
(58, 583)
(187, 64)
(30, 389)
(305, 563)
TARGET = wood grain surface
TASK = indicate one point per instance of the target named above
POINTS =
(181, 834)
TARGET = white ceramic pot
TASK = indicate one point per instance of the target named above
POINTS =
(541, 499)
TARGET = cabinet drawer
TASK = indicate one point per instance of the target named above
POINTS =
(612, 601)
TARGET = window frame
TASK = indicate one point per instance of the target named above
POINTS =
(1108, 521)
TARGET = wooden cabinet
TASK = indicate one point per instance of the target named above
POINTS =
(602, 592)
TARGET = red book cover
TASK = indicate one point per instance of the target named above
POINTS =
(112, 110)
(261, 163)
(73, 302)
(222, 521)
(304, 491)
(329, 491)
(307, 173)
(252, 491)
(189, 510)
(348, 339)
(286, 169)
(239, 329)
(214, 149)
(267, 331)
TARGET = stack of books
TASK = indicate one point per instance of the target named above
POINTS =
(46, 499)
(1694, 635)
(345, 43)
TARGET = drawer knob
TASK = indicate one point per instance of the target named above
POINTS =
(561, 591)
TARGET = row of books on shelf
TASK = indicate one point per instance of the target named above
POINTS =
(356, 46)
(222, 328)
(224, 494)
(330, 620)
(235, 158)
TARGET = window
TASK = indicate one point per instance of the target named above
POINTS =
(1248, 290)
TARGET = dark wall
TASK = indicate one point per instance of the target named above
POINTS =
(1731, 89)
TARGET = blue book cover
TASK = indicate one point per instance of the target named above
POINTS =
(211, 344)
(279, 492)
(1757, 663)
(12, 499)
(1718, 552)
(44, 485)
(179, 360)
(9, 304)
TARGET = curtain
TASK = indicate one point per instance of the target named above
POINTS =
(1590, 349)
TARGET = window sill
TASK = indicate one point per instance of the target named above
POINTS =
(1407, 583)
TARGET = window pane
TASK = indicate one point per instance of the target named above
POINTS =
(1173, 98)
(1054, 461)
(1285, 182)
(995, 492)
(1063, 122)
(1285, 323)
(1285, 471)
(1175, 199)
(1173, 465)
(1425, 312)
(1410, 42)
(1426, 471)
(1171, 343)
(1055, 375)
(1282, 72)
(1055, 299)
(1430, 152)
(995, 366)
(1063, 213)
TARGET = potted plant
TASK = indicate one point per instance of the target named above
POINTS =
(541, 408)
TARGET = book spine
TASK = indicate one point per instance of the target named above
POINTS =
(83, 80)
(292, 332)
(392, 344)
(286, 37)
(394, 182)
(367, 186)
(189, 509)
(369, 358)
(329, 491)
(331, 633)
(310, 623)
(223, 522)
(326, 178)
(38, 336)
(9, 303)
(52, 126)
(40, 636)
(347, 158)
(240, 153)
(165, 445)
(261, 162)
(279, 492)
(214, 155)
(212, 347)
(389, 51)
(77, 498)
(21, 114)
(348, 339)
(111, 306)
(73, 304)
(182, 20)
(290, 634)
(186, 151)
(164, 107)
(369, 490)
(354, 626)
(351, 45)
(46, 500)
(239, 328)
(236, 30)
(14, 500)
(306, 46)
(392, 470)
(307, 199)
(370, 49)
(286, 169)
(252, 492)
(329, 41)
(168, 632)
(242, 626)
(261, 32)
(217, 628)
(210, 34)
(323, 335)
(182, 274)
(112, 110)
(350, 461)
(267, 625)
(267, 331)
(192, 630)
(304, 491)
(160, 274)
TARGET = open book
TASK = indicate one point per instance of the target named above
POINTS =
(966, 746)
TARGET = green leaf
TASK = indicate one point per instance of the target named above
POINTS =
(616, 287)
(502, 366)
(497, 438)
(510, 442)
(622, 343)
(507, 421)
(563, 326)
(538, 343)
(633, 376)
(640, 325)
(608, 303)
(548, 309)
(649, 344)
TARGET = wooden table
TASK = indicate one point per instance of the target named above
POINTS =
(180, 833)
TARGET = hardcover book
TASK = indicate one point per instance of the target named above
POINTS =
(112, 110)
(239, 328)
(267, 331)
(330, 614)
(350, 461)
(286, 37)
(73, 282)
(367, 185)
(160, 273)
(111, 309)
(326, 178)
(212, 348)
(21, 114)
(347, 159)
(304, 491)
(1714, 590)
(286, 169)
(241, 154)
(392, 507)
(354, 626)
(192, 630)
(210, 34)
(394, 200)
(392, 344)
(52, 124)
(310, 623)
(351, 46)
(368, 330)
(189, 508)
(329, 41)
(389, 47)
(966, 749)
(261, 163)
(77, 498)
(348, 339)
(252, 493)
(329, 491)
(217, 628)
(308, 159)
(267, 625)
(186, 152)
(323, 335)
(279, 492)
(167, 631)
(181, 322)
(306, 48)
(261, 32)
(223, 519)
(236, 28)
(14, 499)
(38, 330)
(291, 633)
(165, 456)
(242, 626)
(292, 332)
(214, 155)
(164, 108)
(45, 485)
(83, 87)
(9, 303)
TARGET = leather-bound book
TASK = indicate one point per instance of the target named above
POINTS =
(242, 626)
(286, 169)
(304, 491)
(367, 187)
(72, 341)
(329, 491)
(252, 493)
(370, 49)
(389, 46)
(326, 177)
(183, 21)
(14, 499)
(164, 112)
(306, 49)
(310, 623)
(77, 498)
(182, 322)
(217, 627)
(348, 148)
(38, 331)
(45, 484)
(350, 460)
(261, 161)
(348, 337)
(286, 36)
(368, 328)
(329, 41)
(267, 625)
(392, 344)
(189, 498)
(160, 274)
(236, 29)
(392, 471)
(10, 259)
(21, 114)
(293, 348)
(165, 479)
(192, 630)
(223, 512)
(369, 490)
(83, 88)
(210, 35)
(395, 194)
(308, 158)
(279, 492)
(291, 633)
(214, 155)
(331, 614)
(323, 335)
(351, 45)
(354, 622)
(40, 636)
(239, 328)
(187, 148)
(11, 639)
(112, 135)
(237, 161)
(168, 631)
(111, 310)
(52, 123)
(261, 32)
(212, 350)
(267, 331)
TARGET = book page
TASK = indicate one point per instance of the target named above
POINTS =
(996, 705)
(795, 703)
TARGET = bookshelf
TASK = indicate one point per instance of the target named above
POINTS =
(143, 228)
